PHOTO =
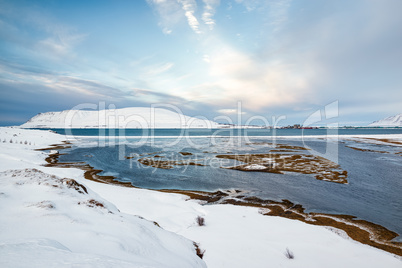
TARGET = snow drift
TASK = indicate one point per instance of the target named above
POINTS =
(137, 117)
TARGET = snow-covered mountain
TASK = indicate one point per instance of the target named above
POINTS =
(392, 121)
(136, 117)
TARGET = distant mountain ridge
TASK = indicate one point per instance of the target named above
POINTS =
(391, 121)
(136, 117)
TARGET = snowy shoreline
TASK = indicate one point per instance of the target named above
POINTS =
(233, 236)
(359, 230)
(377, 136)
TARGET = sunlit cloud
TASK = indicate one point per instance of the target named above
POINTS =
(237, 76)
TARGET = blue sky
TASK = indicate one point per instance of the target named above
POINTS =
(278, 58)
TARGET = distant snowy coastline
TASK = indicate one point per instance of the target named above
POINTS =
(54, 217)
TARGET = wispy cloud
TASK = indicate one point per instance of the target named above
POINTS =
(15, 73)
(169, 12)
(173, 11)
(158, 69)
(89, 87)
(15, 67)
(52, 37)
(156, 96)
(209, 12)
(275, 12)
(278, 13)
(251, 5)
(61, 39)
(61, 44)
(189, 7)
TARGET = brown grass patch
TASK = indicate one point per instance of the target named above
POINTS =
(185, 153)
(200, 253)
(322, 168)
(366, 150)
(386, 141)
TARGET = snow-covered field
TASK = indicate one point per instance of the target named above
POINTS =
(53, 217)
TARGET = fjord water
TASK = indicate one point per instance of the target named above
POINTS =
(373, 192)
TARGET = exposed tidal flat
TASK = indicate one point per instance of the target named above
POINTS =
(370, 192)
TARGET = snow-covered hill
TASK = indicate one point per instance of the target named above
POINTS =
(136, 117)
(392, 121)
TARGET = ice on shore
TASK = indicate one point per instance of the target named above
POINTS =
(255, 167)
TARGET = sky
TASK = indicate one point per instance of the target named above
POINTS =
(274, 58)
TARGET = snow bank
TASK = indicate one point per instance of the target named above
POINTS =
(50, 253)
(255, 167)
(138, 117)
(73, 219)
(17, 147)
(235, 236)
(16, 138)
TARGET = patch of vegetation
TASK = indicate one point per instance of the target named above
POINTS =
(200, 221)
(289, 254)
